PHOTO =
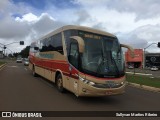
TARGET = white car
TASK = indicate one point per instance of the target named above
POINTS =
(154, 68)
(19, 60)
(130, 67)
(26, 62)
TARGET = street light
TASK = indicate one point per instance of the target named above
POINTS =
(144, 56)
(4, 46)
(8, 49)
(21, 42)
(158, 44)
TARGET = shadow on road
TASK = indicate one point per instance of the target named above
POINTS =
(86, 100)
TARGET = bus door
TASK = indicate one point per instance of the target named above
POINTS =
(74, 60)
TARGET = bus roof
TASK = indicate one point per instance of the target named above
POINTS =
(75, 27)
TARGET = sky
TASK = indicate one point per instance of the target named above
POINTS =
(134, 22)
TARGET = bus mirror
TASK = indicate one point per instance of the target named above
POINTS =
(80, 43)
(130, 49)
(36, 48)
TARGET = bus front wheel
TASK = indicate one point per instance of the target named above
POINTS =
(59, 83)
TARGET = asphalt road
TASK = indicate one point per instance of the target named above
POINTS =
(20, 91)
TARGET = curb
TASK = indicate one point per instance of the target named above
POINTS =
(139, 73)
(145, 87)
(2, 66)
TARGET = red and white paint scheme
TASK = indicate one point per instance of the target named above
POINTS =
(85, 61)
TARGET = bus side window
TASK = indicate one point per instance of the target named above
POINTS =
(74, 54)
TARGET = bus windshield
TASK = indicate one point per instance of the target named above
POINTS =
(102, 56)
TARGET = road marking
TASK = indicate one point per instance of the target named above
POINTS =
(138, 73)
(2, 66)
(12, 66)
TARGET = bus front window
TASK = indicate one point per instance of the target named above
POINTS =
(102, 57)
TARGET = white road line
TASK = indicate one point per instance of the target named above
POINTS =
(25, 69)
(12, 66)
(138, 73)
(2, 66)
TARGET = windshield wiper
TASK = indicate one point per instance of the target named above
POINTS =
(102, 61)
(113, 60)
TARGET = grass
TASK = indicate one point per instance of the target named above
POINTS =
(1, 63)
(143, 80)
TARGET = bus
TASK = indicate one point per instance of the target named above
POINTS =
(82, 60)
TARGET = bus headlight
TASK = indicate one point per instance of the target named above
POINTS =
(91, 83)
(86, 81)
(122, 83)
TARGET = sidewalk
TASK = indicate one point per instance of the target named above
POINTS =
(149, 88)
(138, 73)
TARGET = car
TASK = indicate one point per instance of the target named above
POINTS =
(26, 62)
(154, 68)
(19, 60)
(130, 67)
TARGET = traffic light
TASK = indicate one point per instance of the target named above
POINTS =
(4, 47)
(159, 44)
(21, 43)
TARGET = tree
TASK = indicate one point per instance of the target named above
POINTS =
(10, 55)
(25, 52)
(15, 54)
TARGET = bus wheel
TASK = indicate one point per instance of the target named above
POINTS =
(59, 83)
(34, 73)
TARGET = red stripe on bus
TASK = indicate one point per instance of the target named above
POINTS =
(54, 70)
(70, 75)
(53, 65)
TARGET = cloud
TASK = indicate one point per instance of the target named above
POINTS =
(27, 17)
(45, 24)
(142, 9)
(18, 22)
(39, 24)
(4, 6)
(142, 37)
(28, 28)
(83, 16)
(134, 22)
(21, 27)
(12, 29)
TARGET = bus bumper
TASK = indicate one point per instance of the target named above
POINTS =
(87, 90)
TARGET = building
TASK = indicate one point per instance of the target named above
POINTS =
(152, 59)
(137, 61)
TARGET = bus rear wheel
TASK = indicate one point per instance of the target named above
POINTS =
(59, 83)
